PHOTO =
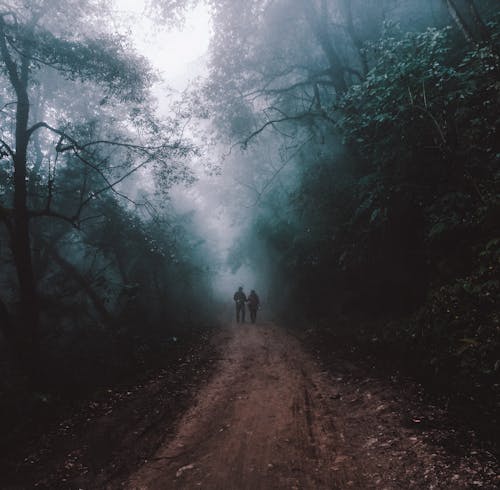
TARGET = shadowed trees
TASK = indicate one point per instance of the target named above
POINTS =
(391, 109)
(64, 155)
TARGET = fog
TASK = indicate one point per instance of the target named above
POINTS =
(155, 156)
(249, 165)
(337, 160)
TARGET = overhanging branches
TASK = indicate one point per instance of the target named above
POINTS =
(82, 151)
(297, 117)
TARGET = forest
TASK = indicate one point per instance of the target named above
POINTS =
(339, 156)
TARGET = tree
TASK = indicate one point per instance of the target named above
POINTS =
(36, 40)
(282, 66)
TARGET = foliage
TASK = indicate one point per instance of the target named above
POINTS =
(419, 98)
(112, 268)
(457, 328)
(400, 228)
(106, 59)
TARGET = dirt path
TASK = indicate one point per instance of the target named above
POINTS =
(270, 418)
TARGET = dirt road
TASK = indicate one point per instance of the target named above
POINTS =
(271, 418)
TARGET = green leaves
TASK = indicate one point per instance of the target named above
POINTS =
(105, 59)
(395, 102)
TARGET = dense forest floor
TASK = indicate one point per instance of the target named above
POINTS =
(257, 407)
(85, 442)
(464, 416)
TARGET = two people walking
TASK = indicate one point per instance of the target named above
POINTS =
(240, 298)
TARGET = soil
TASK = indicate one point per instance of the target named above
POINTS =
(87, 443)
(255, 409)
(272, 418)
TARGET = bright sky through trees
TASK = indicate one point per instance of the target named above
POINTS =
(171, 51)
(177, 53)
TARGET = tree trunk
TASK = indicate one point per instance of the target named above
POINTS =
(459, 20)
(318, 22)
(5, 324)
(21, 238)
(480, 24)
(353, 34)
(482, 28)
(21, 246)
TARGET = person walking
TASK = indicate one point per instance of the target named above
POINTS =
(240, 299)
(253, 305)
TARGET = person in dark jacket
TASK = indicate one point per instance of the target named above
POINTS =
(240, 299)
(253, 305)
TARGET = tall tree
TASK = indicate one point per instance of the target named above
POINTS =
(39, 38)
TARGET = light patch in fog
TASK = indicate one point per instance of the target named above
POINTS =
(175, 52)
(226, 283)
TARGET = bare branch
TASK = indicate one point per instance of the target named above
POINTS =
(72, 220)
(84, 146)
(14, 102)
(278, 171)
(111, 185)
(79, 148)
(90, 218)
(304, 115)
(9, 150)
(271, 122)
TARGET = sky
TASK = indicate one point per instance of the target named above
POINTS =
(173, 52)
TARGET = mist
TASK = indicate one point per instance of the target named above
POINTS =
(338, 157)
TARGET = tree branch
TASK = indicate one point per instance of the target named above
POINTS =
(14, 102)
(84, 146)
(79, 148)
(72, 220)
(244, 143)
(111, 185)
(10, 151)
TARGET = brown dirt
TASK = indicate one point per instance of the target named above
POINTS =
(271, 418)
(95, 441)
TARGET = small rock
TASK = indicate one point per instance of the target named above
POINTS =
(180, 471)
